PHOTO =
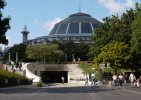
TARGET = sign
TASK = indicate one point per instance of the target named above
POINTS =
(101, 65)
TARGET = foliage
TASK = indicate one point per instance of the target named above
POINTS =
(87, 68)
(136, 26)
(79, 50)
(44, 51)
(114, 29)
(12, 81)
(118, 55)
(4, 24)
(20, 49)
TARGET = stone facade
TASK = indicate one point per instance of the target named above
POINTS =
(73, 71)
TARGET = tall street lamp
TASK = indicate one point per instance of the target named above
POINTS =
(94, 55)
(65, 57)
(9, 57)
(72, 57)
(108, 66)
(16, 57)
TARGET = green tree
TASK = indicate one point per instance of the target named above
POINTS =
(50, 52)
(118, 55)
(20, 49)
(69, 49)
(114, 29)
(136, 26)
(4, 24)
(81, 51)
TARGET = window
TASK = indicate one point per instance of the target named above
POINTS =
(88, 38)
(86, 28)
(82, 38)
(62, 29)
(54, 30)
(73, 28)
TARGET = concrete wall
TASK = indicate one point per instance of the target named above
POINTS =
(73, 71)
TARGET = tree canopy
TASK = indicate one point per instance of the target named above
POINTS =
(4, 24)
(136, 26)
(118, 55)
(44, 51)
(20, 49)
(114, 29)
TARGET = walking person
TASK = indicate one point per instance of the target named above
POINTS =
(20, 66)
(115, 79)
(93, 79)
(62, 79)
(17, 65)
(12, 63)
(132, 78)
(120, 79)
(138, 83)
(86, 80)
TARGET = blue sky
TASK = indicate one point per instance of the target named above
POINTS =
(41, 15)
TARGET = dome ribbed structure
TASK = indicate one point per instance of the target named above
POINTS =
(78, 27)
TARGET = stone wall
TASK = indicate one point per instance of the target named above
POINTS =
(73, 71)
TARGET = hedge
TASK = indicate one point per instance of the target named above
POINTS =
(12, 80)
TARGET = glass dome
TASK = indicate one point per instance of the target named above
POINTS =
(79, 23)
(78, 27)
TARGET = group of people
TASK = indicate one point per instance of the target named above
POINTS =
(18, 65)
(134, 82)
(87, 79)
(117, 79)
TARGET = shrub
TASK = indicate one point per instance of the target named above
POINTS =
(13, 79)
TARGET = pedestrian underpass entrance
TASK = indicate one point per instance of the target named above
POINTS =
(54, 76)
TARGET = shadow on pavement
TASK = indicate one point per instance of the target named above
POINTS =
(82, 89)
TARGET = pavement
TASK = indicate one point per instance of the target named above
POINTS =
(70, 91)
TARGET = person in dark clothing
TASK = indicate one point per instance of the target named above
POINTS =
(17, 65)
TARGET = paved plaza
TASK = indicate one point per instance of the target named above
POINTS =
(70, 91)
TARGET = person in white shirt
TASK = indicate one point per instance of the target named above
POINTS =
(120, 79)
(86, 80)
(115, 79)
(12, 63)
(62, 79)
(93, 79)
(132, 78)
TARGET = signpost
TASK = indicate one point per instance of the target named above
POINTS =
(102, 66)
(108, 66)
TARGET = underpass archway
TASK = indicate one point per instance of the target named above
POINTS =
(54, 76)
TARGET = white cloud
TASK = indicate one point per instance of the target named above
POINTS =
(117, 7)
(130, 3)
(35, 21)
(99, 20)
(50, 23)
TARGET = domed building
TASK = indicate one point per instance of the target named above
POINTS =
(78, 27)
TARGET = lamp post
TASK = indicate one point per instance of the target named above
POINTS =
(131, 66)
(108, 66)
(94, 55)
(9, 57)
(16, 57)
(72, 57)
(65, 57)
